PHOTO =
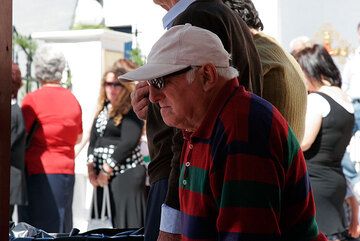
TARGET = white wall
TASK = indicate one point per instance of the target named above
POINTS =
(287, 19)
(283, 19)
(269, 15)
(42, 15)
(307, 17)
(141, 14)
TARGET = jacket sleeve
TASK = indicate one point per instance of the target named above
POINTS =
(92, 141)
(172, 197)
(121, 139)
(131, 130)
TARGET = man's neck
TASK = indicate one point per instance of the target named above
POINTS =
(169, 4)
(207, 102)
(50, 84)
(175, 10)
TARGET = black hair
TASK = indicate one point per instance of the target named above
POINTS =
(317, 65)
(247, 11)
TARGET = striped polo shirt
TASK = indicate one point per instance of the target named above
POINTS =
(243, 175)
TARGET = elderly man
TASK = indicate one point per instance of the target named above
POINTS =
(164, 142)
(243, 175)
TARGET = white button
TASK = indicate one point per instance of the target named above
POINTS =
(187, 164)
(184, 182)
(191, 146)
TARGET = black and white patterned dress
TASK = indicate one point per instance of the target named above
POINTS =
(116, 145)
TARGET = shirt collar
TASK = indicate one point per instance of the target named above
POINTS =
(13, 101)
(175, 11)
(216, 107)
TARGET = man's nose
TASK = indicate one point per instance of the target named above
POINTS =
(155, 94)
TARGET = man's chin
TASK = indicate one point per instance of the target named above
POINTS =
(170, 119)
(168, 122)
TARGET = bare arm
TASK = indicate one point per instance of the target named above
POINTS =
(81, 143)
(313, 122)
(79, 138)
(354, 229)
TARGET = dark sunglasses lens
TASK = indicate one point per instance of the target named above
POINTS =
(158, 83)
(109, 84)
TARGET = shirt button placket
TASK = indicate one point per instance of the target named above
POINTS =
(187, 164)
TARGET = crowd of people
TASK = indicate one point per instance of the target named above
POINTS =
(44, 133)
(247, 141)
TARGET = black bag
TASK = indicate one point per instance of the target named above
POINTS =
(97, 234)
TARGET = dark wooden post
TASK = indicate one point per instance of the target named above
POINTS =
(5, 96)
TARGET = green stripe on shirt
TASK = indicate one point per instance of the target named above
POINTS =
(250, 194)
(196, 179)
(293, 147)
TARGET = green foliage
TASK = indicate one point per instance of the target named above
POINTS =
(26, 43)
(137, 57)
(28, 46)
(85, 26)
(68, 82)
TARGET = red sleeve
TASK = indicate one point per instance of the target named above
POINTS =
(28, 111)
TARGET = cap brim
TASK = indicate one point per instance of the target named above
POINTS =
(151, 71)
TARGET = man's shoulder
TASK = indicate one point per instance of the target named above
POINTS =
(207, 5)
(203, 8)
(270, 50)
(263, 42)
(253, 101)
(251, 107)
(274, 57)
(216, 17)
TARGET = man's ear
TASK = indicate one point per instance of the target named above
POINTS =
(210, 76)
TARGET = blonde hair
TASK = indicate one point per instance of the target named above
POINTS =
(123, 102)
(126, 64)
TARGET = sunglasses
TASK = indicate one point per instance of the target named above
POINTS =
(113, 84)
(159, 83)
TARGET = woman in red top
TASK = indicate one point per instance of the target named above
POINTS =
(55, 116)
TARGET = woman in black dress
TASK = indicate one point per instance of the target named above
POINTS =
(18, 195)
(328, 128)
(113, 156)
